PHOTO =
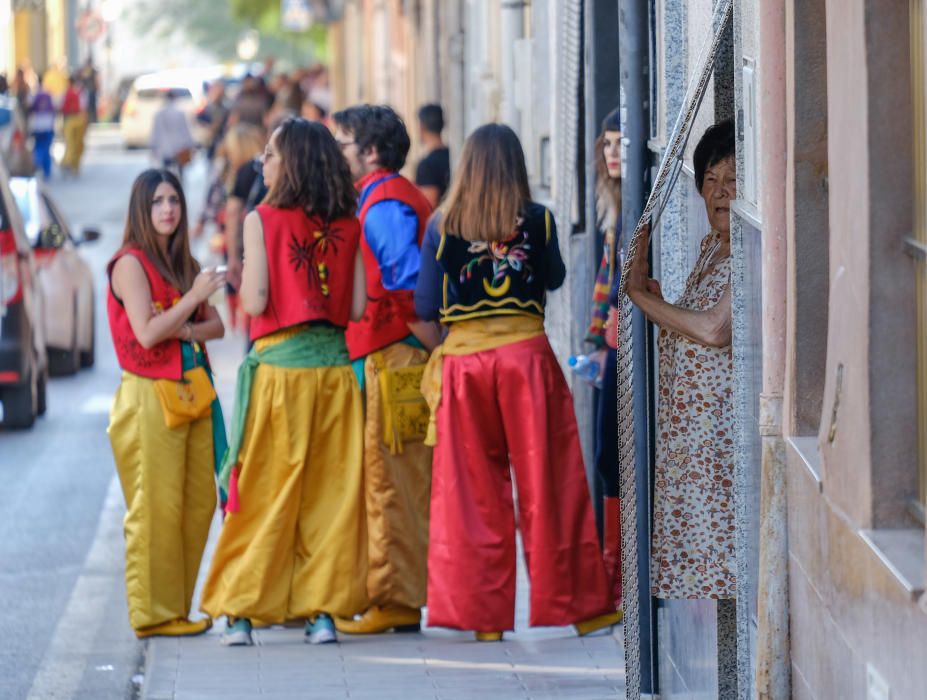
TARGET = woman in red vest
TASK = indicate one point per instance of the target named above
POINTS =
(293, 544)
(166, 428)
(502, 405)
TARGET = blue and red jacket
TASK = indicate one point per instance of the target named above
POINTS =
(393, 214)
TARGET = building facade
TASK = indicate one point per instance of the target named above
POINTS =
(829, 242)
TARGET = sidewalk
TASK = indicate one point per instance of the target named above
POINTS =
(549, 662)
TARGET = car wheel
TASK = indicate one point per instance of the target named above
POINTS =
(41, 399)
(88, 356)
(65, 362)
(19, 404)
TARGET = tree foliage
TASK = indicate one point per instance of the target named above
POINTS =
(216, 27)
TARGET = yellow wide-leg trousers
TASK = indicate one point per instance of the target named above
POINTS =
(74, 129)
(298, 544)
(398, 496)
(169, 487)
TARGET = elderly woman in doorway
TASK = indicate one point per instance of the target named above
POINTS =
(693, 530)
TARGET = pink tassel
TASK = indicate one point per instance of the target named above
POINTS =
(233, 504)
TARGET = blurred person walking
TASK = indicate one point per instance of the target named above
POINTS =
(166, 426)
(500, 404)
(90, 82)
(293, 543)
(389, 347)
(214, 116)
(433, 172)
(243, 143)
(42, 128)
(74, 125)
(171, 141)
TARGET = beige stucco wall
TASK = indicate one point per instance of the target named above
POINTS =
(849, 611)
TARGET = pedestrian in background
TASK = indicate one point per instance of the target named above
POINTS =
(500, 403)
(74, 125)
(166, 426)
(603, 336)
(293, 543)
(389, 347)
(433, 173)
(90, 82)
(42, 128)
(171, 141)
(243, 143)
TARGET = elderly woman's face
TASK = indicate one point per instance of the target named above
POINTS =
(719, 187)
(611, 152)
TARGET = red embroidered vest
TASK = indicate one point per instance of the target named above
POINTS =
(310, 269)
(388, 313)
(163, 361)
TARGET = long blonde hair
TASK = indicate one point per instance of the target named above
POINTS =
(490, 188)
(242, 143)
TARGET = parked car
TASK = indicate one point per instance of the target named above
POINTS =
(23, 358)
(65, 277)
(146, 97)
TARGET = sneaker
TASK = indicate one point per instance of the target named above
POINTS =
(321, 630)
(238, 634)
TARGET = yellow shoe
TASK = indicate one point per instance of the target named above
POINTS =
(593, 624)
(176, 628)
(488, 636)
(379, 619)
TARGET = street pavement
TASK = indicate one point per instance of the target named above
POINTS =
(65, 632)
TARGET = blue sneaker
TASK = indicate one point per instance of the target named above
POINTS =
(321, 630)
(238, 634)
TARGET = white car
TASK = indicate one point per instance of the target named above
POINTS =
(146, 97)
(64, 276)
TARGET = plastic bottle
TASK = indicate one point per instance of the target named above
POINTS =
(586, 368)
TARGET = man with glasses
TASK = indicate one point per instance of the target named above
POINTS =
(388, 343)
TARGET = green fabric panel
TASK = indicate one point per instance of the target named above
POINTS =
(317, 346)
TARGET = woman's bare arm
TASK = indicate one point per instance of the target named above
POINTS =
(254, 281)
(711, 327)
(210, 328)
(130, 283)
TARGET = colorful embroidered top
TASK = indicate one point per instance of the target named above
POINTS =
(310, 269)
(393, 214)
(462, 279)
(163, 361)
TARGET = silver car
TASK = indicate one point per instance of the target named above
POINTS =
(65, 277)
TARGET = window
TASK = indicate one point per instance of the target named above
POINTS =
(917, 244)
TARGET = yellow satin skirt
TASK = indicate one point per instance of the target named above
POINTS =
(169, 487)
(298, 544)
(398, 495)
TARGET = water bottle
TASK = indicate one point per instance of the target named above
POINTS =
(586, 368)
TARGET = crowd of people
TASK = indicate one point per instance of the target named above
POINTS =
(42, 102)
(398, 364)
(398, 376)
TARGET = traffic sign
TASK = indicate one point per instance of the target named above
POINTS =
(90, 26)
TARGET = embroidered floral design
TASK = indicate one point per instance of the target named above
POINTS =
(311, 253)
(510, 254)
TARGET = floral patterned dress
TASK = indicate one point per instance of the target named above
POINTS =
(693, 529)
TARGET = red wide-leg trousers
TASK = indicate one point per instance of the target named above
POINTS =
(502, 407)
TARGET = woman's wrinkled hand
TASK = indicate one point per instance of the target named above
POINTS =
(639, 271)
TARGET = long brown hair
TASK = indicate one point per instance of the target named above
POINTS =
(177, 266)
(314, 174)
(607, 188)
(490, 188)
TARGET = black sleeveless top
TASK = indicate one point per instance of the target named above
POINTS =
(461, 280)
